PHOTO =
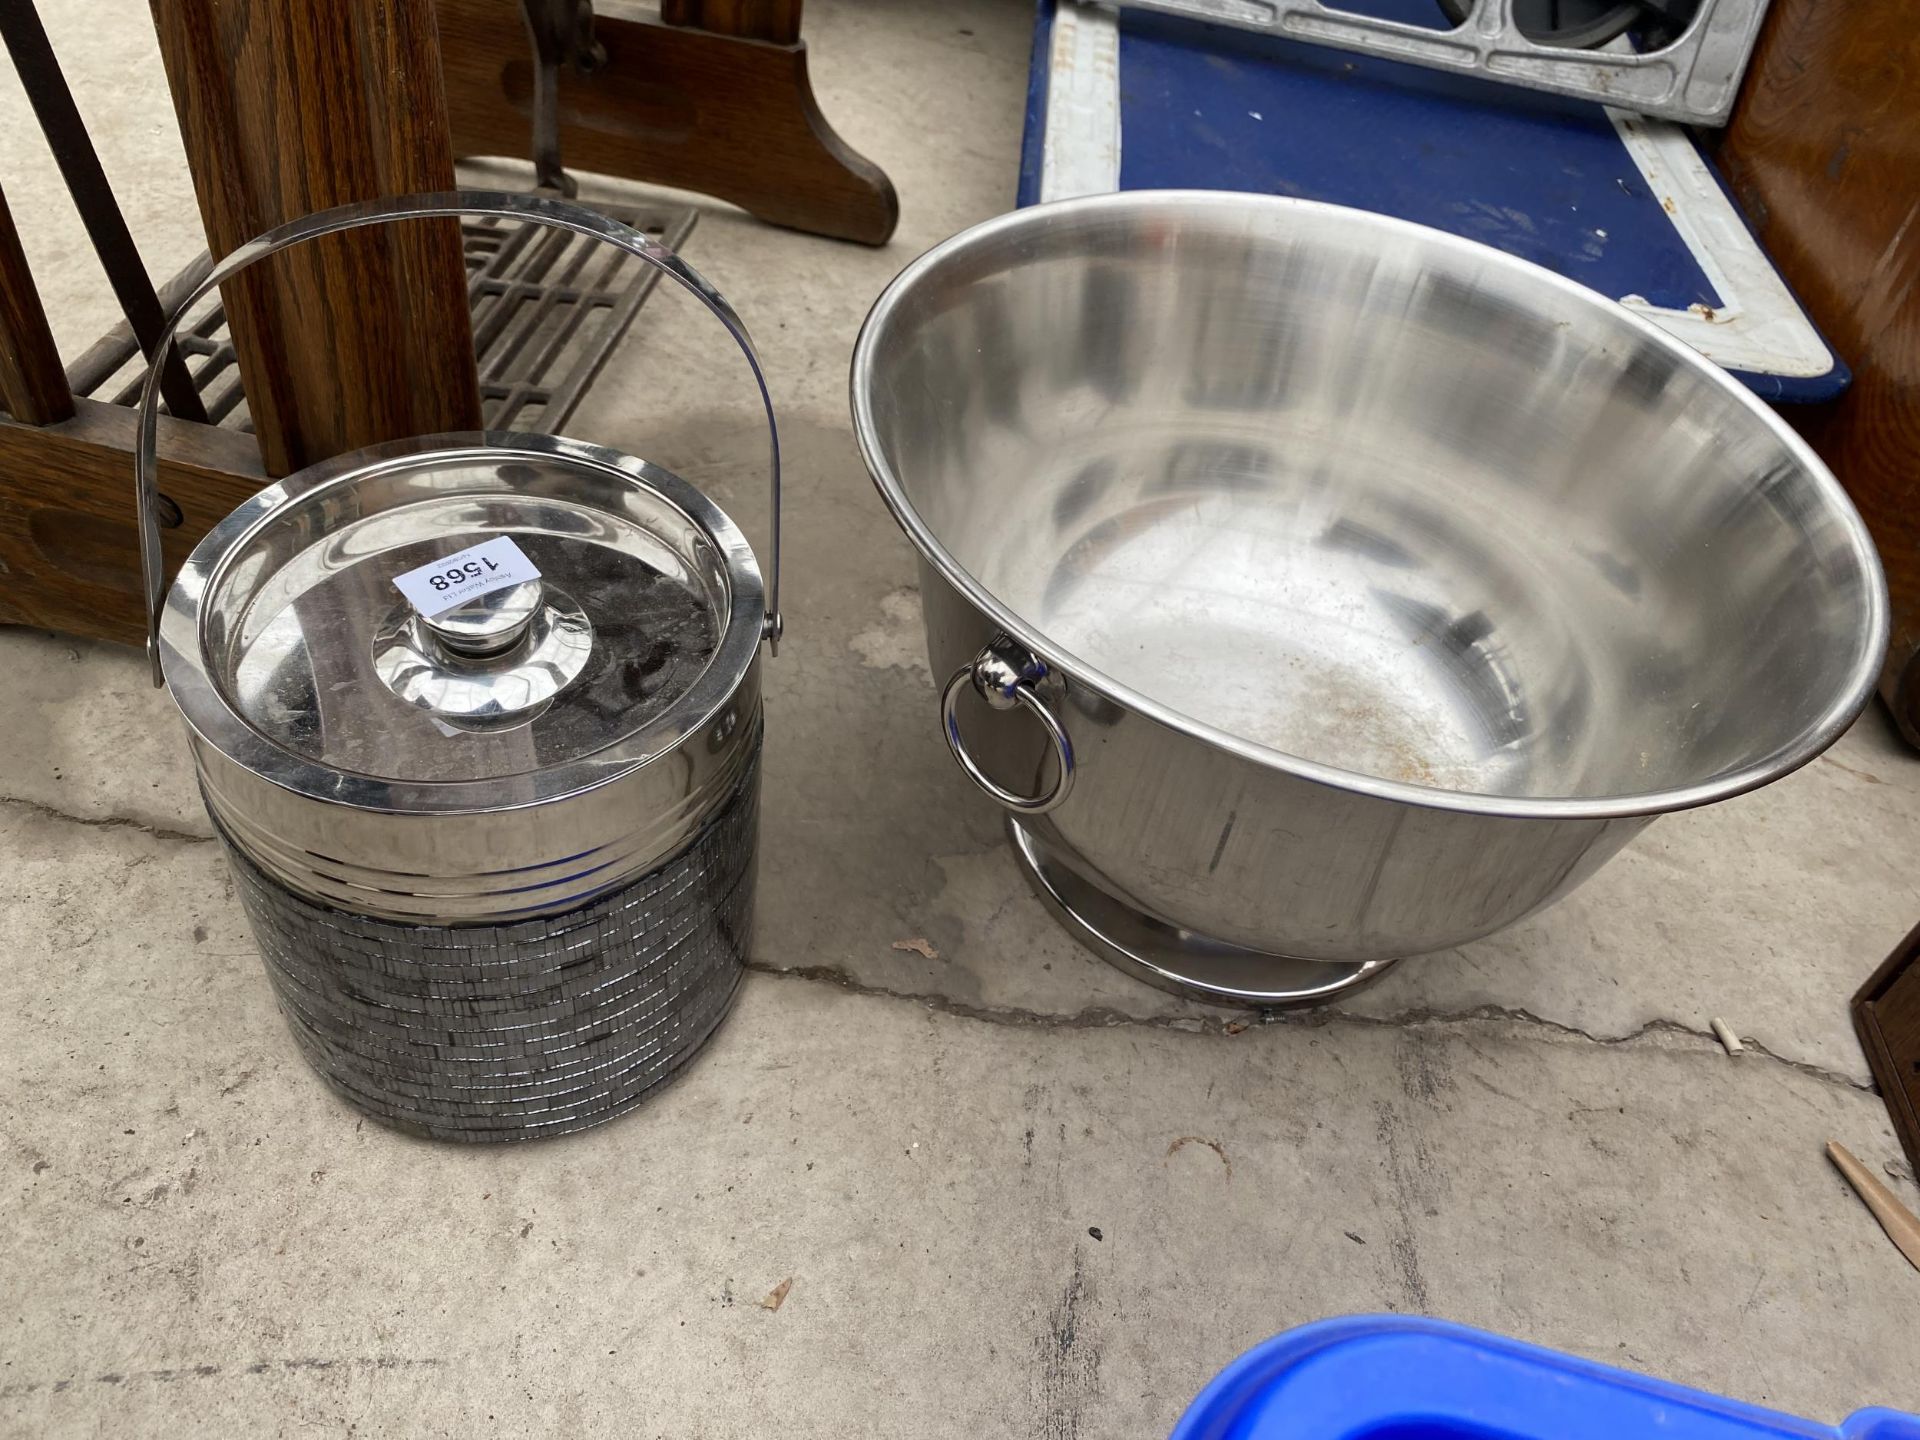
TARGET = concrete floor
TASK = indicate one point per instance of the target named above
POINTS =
(1534, 1134)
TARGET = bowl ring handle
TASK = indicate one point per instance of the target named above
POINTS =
(1005, 676)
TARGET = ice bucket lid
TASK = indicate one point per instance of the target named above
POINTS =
(570, 612)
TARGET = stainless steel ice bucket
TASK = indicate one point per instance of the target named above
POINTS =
(478, 720)
(1338, 590)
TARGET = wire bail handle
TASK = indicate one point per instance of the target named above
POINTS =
(546, 210)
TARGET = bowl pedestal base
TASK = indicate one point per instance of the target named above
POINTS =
(1175, 959)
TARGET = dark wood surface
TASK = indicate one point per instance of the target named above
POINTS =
(1886, 1015)
(776, 21)
(68, 548)
(673, 105)
(65, 131)
(33, 386)
(291, 106)
(1824, 152)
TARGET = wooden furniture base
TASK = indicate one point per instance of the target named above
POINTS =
(1886, 1014)
(68, 549)
(696, 109)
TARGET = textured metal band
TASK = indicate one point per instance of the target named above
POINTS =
(512, 1032)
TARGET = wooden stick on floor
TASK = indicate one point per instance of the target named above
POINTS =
(1898, 1221)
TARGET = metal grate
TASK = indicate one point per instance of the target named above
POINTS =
(548, 307)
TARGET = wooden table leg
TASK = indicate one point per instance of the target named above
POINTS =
(291, 106)
(33, 387)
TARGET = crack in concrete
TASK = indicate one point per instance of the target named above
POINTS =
(203, 1372)
(104, 822)
(1094, 1017)
(1411, 1019)
(1103, 1017)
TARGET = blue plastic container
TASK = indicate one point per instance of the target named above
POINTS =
(1388, 1377)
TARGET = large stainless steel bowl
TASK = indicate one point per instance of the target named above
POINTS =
(1340, 590)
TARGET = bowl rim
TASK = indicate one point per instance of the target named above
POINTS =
(1828, 726)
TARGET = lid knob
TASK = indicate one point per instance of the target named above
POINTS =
(489, 624)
